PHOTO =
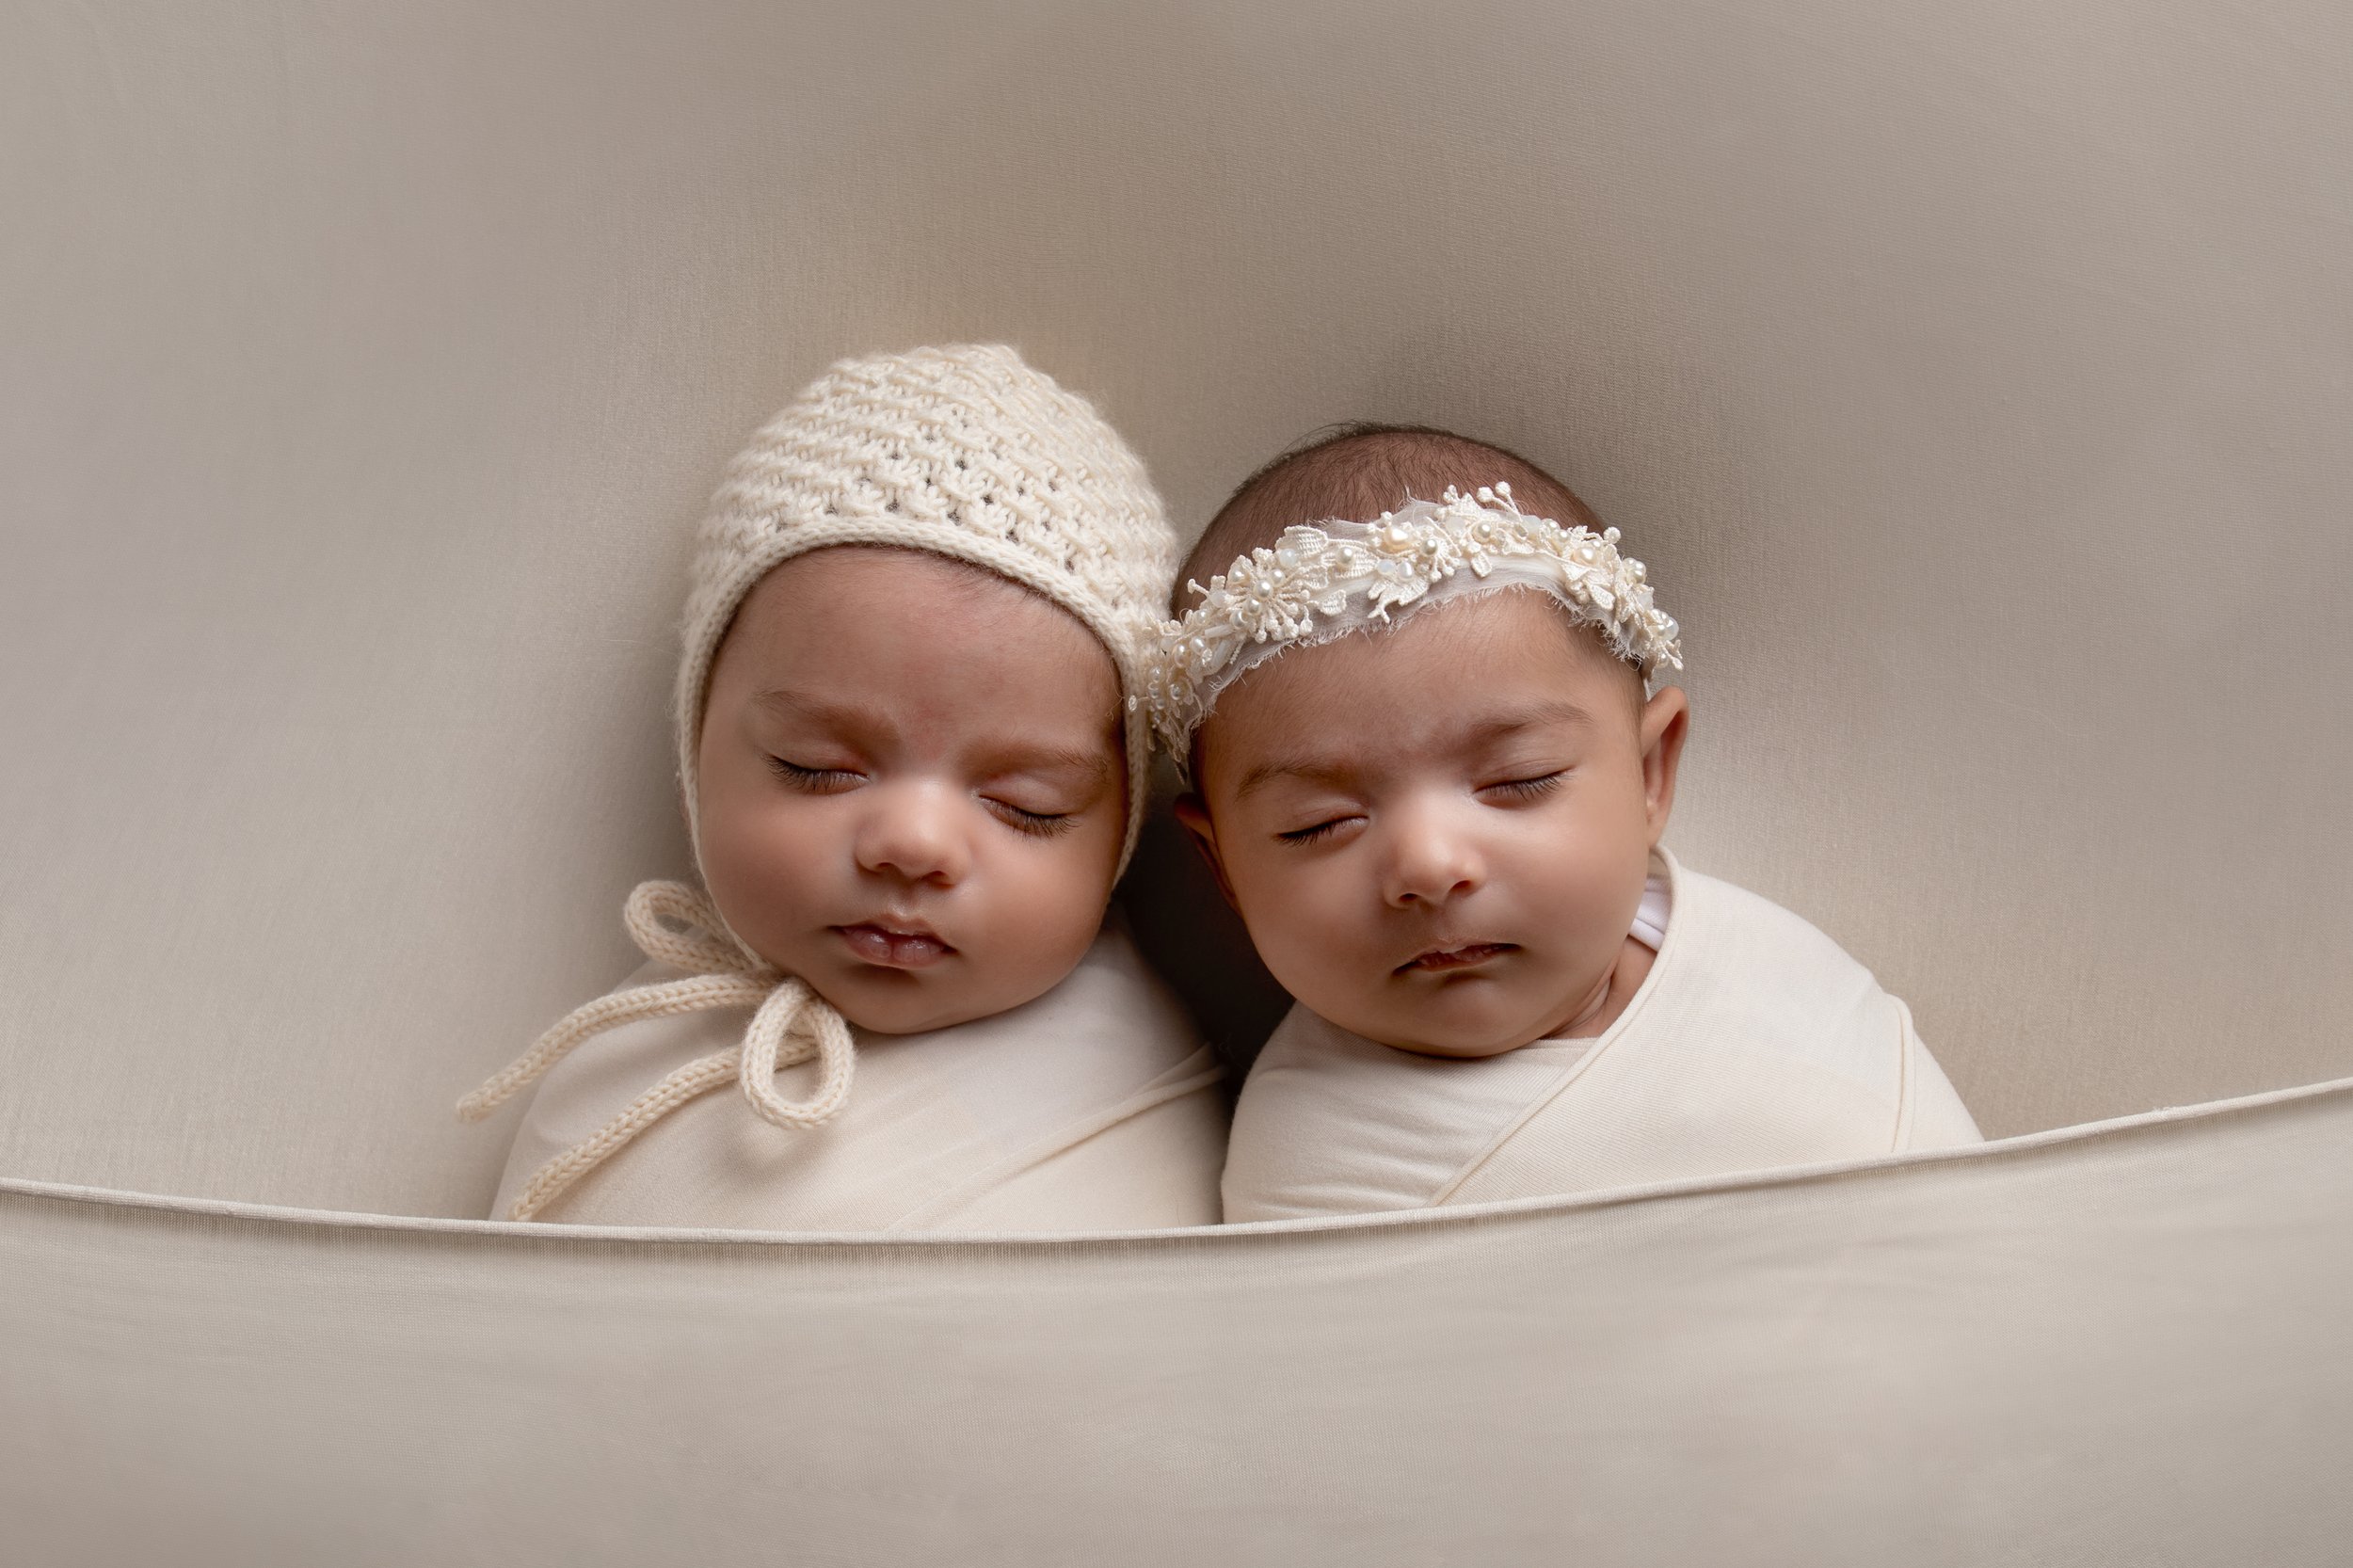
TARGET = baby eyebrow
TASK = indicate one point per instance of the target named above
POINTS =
(1538, 715)
(1085, 767)
(1313, 769)
(800, 705)
(1484, 732)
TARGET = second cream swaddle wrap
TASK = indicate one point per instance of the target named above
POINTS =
(1754, 1042)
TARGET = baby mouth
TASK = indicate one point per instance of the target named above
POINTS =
(1440, 959)
(893, 945)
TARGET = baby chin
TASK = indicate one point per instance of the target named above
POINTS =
(1452, 1008)
(936, 991)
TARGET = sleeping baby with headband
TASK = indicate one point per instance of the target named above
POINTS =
(911, 774)
(1430, 771)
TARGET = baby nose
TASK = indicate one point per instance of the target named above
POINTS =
(1430, 860)
(912, 832)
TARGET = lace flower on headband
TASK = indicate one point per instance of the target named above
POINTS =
(1326, 580)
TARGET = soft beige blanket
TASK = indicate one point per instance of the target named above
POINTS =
(1094, 1107)
(1754, 1042)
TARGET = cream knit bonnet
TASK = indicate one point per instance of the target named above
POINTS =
(965, 452)
(961, 451)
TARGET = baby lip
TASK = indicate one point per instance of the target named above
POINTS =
(894, 943)
(1461, 956)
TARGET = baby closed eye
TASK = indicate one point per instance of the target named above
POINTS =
(1041, 824)
(833, 781)
(1317, 831)
(816, 782)
(1525, 789)
(1505, 792)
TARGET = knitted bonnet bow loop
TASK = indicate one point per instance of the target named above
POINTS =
(673, 924)
(791, 1009)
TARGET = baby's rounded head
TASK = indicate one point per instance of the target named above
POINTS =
(1437, 823)
(1360, 472)
(910, 772)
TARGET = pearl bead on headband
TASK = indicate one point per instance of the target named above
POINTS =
(1325, 580)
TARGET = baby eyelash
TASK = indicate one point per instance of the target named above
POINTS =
(808, 778)
(1041, 824)
(1529, 789)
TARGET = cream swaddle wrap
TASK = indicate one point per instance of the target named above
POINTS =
(1754, 1042)
(1093, 1107)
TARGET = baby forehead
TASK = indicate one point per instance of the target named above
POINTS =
(912, 606)
(873, 577)
(894, 644)
(1461, 676)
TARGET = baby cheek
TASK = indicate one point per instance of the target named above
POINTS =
(753, 827)
(765, 861)
(1306, 919)
(1588, 880)
(1046, 898)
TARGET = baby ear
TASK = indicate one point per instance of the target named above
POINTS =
(1666, 720)
(1195, 818)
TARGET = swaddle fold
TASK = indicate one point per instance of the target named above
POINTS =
(1754, 1042)
(1093, 1107)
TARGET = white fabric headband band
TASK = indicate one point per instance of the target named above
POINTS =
(1325, 580)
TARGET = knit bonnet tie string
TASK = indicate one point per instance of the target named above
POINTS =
(673, 924)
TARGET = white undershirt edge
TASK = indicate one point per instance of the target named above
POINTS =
(1650, 918)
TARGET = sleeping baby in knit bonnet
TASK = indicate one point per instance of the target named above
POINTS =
(910, 775)
(1430, 772)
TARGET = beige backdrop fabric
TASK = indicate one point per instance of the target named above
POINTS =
(1974, 381)
(2119, 1351)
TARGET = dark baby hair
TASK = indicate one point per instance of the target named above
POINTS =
(1358, 472)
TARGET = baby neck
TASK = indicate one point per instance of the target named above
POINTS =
(1602, 1006)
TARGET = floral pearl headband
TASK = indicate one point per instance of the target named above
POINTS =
(1326, 580)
